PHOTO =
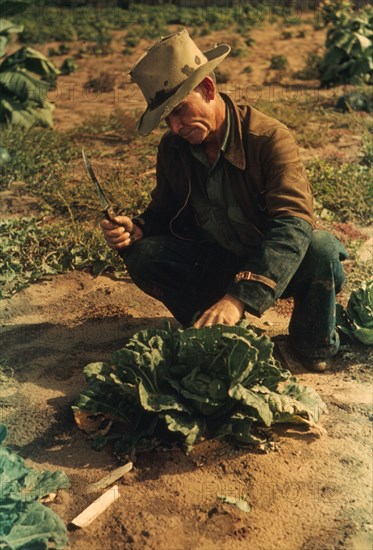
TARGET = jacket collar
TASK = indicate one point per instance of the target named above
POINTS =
(235, 151)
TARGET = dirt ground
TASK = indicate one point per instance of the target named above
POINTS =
(313, 491)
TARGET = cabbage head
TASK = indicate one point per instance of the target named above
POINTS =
(357, 320)
(186, 385)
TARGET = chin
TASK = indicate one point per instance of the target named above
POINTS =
(196, 137)
(194, 141)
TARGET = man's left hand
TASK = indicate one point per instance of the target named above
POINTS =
(228, 311)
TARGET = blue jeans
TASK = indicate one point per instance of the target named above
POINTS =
(190, 276)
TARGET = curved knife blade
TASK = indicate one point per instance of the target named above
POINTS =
(106, 205)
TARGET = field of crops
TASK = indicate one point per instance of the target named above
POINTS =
(67, 299)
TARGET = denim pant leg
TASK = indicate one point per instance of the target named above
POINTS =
(186, 276)
(312, 330)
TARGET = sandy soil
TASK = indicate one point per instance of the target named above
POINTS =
(313, 491)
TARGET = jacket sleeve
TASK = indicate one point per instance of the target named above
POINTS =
(288, 209)
(287, 190)
(268, 271)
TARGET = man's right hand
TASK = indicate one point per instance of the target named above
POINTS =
(121, 234)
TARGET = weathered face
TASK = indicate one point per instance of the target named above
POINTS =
(194, 118)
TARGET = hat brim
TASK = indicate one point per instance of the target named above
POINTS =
(152, 117)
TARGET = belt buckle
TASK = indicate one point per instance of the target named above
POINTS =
(243, 275)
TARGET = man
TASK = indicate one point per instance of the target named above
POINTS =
(230, 226)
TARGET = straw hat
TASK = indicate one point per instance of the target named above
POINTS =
(169, 71)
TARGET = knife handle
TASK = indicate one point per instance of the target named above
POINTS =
(110, 214)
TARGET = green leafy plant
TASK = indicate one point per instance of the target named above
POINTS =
(4, 156)
(278, 62)
(188, 384)
(332, 11)
(103, 39)
(286, 35)
(68, 66)
(25, 522)
(349, 47)
(238, 48)
(249, 41)
(132, 39)
(7, 28)
(367, 149)
(23, 96)
(247, 70)
(357, 319)
(62, 49)
(355, 101)
(204, 30)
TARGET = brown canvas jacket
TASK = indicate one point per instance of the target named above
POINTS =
(263, 167)
(268, 178)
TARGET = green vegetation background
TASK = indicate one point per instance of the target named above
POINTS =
(64, 233)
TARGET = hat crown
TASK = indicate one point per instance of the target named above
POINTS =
(166, 65)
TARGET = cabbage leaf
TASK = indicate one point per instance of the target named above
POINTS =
(25, 522)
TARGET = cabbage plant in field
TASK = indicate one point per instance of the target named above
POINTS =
(25, 522)
(349, 47)
(24, 77)
(357, 320)
(184, 385)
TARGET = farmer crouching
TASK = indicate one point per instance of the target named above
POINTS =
(230, 225)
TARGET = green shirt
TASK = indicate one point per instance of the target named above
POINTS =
(218, 212)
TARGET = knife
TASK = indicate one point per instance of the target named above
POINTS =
(106, 205)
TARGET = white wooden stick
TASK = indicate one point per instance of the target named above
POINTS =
(97, 507)
(110, 478)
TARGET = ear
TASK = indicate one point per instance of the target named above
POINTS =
(208, 88)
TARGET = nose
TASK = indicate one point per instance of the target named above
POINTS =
(174, 123)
